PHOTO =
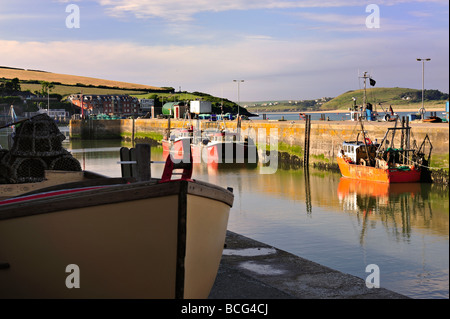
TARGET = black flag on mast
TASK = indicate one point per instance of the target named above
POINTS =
(372, 82)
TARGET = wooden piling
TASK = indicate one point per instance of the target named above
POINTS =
(143, 154)
(125, 162)
(135, 162)
(132, 131)
(307, 140)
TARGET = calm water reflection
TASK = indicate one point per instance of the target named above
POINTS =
(333, 221)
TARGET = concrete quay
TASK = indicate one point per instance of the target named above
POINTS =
(253, 270)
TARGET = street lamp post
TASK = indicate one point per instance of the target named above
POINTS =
(423, 82)
(239, 100)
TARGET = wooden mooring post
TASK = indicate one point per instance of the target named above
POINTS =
(307, 141)
(135, 162)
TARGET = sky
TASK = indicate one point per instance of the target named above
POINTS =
(282, 50)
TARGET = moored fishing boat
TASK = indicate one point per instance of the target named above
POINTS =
(217, 147)
(223, 147)
(382, 162)
(178, 141)
(159, 238)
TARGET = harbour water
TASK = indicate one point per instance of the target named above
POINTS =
(339, 223)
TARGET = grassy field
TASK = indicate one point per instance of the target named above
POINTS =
(10, 73)
(66, 90)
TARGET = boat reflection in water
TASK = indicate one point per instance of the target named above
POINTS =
(367, 195)
(395, 205)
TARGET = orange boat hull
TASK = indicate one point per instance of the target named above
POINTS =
(390, 175)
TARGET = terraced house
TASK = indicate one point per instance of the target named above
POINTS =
(106, 104)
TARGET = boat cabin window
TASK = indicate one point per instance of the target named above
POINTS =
(348, 148)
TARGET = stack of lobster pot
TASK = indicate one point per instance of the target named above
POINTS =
(37, 146)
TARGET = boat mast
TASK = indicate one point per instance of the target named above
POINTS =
(365, 142)
(364, 77)
(365, 88)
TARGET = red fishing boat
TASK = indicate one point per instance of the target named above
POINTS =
(178, 141)
(218, 148)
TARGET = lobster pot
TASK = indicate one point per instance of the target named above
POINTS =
(39, 136)
(37, 147)
(64, 163)
(28, 170)
(28, 146)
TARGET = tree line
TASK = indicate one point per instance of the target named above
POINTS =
(9, 87)
(428, 95)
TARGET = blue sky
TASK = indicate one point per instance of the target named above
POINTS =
(289, 49)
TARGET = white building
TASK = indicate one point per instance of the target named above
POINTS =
(54, 113)
(146, 105)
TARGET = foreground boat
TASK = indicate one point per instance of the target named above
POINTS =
(154, 239)
(77, 234)
(382, 162)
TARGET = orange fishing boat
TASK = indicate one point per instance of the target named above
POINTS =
(382, 162)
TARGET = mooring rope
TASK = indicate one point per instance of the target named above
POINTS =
(415, 163)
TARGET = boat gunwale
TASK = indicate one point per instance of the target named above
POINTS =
(112, 194)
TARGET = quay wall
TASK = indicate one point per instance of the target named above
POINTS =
(325, 136)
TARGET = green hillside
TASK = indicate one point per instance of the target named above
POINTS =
(400, 97)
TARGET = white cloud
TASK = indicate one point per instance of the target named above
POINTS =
(176, 10)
